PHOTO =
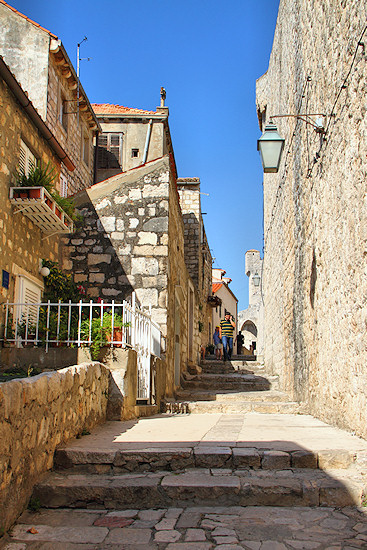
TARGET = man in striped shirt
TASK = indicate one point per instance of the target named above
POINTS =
(226, 329)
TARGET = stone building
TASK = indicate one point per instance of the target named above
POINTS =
(41, 65)
(227, 301)
(198, 257)
(251, 320)
(130, 138)
(315, 218)
(28, 232)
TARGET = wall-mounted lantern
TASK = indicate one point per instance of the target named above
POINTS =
(271, 146)
(44, 271)
(256, 279)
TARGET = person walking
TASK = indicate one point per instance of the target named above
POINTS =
(218, 346)
(226, 329)
(239, 339)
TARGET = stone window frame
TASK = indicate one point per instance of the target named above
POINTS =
(135, 153)
(63, 111)
(85, 148)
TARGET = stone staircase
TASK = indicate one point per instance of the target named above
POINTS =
(200, 476)
(226, 465)
(240, 385)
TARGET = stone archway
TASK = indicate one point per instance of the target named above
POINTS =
(249, 331)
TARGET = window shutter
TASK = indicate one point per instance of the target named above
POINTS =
(109, 151)
(29, 293)
(22, 158)
(63, 186)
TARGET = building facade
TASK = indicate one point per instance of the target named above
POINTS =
(314, 266)
(41, 65)
(251, 320)
(25, 242)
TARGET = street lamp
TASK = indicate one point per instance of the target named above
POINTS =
(256, 279)
(271, 147)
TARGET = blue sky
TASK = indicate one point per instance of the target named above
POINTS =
(208, 55)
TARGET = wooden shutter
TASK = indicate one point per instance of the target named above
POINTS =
(27, 160)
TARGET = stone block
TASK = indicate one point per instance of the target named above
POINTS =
(95, 259)
(335, 459)
(275, 460)
(212, 457)
(246, 458)
(107, 223)
(147, 237)
(303, 459)
(144, 266)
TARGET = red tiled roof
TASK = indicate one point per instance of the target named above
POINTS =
(216, 286)
(27, 18)
(108, 109)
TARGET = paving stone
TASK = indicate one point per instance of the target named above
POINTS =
(303, 544)
(251, 545)
(148, 515)
(272, 545)
(166, 523)
(173, 512)
(71, 518)
(15, 546)
(124, 513)
(195, 535)
(167, 536)
(65, 534)
(199, 488)
(113, 521)
(188, 519)
(225, 540)
(275, 460)
(190, 546)
(223, 532)
(129, 536)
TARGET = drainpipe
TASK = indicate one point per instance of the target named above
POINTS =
(145, 155)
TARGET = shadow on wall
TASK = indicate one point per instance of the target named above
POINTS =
(101, 264)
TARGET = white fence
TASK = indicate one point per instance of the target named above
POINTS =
(91, 324)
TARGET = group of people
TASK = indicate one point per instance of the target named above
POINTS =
(223, 338)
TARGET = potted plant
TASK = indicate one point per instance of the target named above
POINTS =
(118, 326)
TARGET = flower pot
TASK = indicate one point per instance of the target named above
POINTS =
(58, 212)
(35, 193)
(117, 337)
(49, 202)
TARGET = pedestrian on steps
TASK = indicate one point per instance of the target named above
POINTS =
(226, 329)
(218, 346)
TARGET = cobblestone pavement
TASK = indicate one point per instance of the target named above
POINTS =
(191, 528)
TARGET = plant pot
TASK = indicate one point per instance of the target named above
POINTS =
(35, 193)
(49, 202)
(117, 337)
(58, 212)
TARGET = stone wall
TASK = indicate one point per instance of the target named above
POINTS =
(315, 221)
(78, 132)
(38, 414)
(198, 258)
(22, 244)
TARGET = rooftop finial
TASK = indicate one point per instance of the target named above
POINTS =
(163, 96)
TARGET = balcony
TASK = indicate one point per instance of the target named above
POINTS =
(214, 301)
(37, 204)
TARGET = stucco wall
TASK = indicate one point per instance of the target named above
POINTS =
(25, 50)
(315, 279)
(36, 415)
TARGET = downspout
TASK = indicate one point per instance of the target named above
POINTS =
(145, 155)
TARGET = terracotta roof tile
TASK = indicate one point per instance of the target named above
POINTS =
(108, 109)
(27, 18)
(216, 286)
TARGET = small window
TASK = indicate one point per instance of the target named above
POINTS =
(86, 148)
(134, 153)
(63, 186)
(109, 153)
(63, 112)
(27, 160)
(28, 295)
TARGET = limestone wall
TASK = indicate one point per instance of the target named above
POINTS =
(22, 244)
(36, 415)
(315, 279)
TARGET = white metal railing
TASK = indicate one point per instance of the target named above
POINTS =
(92, 324)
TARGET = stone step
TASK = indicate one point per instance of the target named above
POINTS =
(231, 396)
(181, 406)
(200, 488)
(238, 385)
(205, 455)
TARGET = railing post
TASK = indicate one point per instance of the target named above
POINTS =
(133, 320)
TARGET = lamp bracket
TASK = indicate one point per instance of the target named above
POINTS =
(317, 124)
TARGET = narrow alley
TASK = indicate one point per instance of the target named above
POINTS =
(249, 474)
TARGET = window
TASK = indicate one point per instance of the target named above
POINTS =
(63, 112)
(63, 186)
(109, 151)
(27, 160)
(134, 153)
(27, 293)
(86, 148)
